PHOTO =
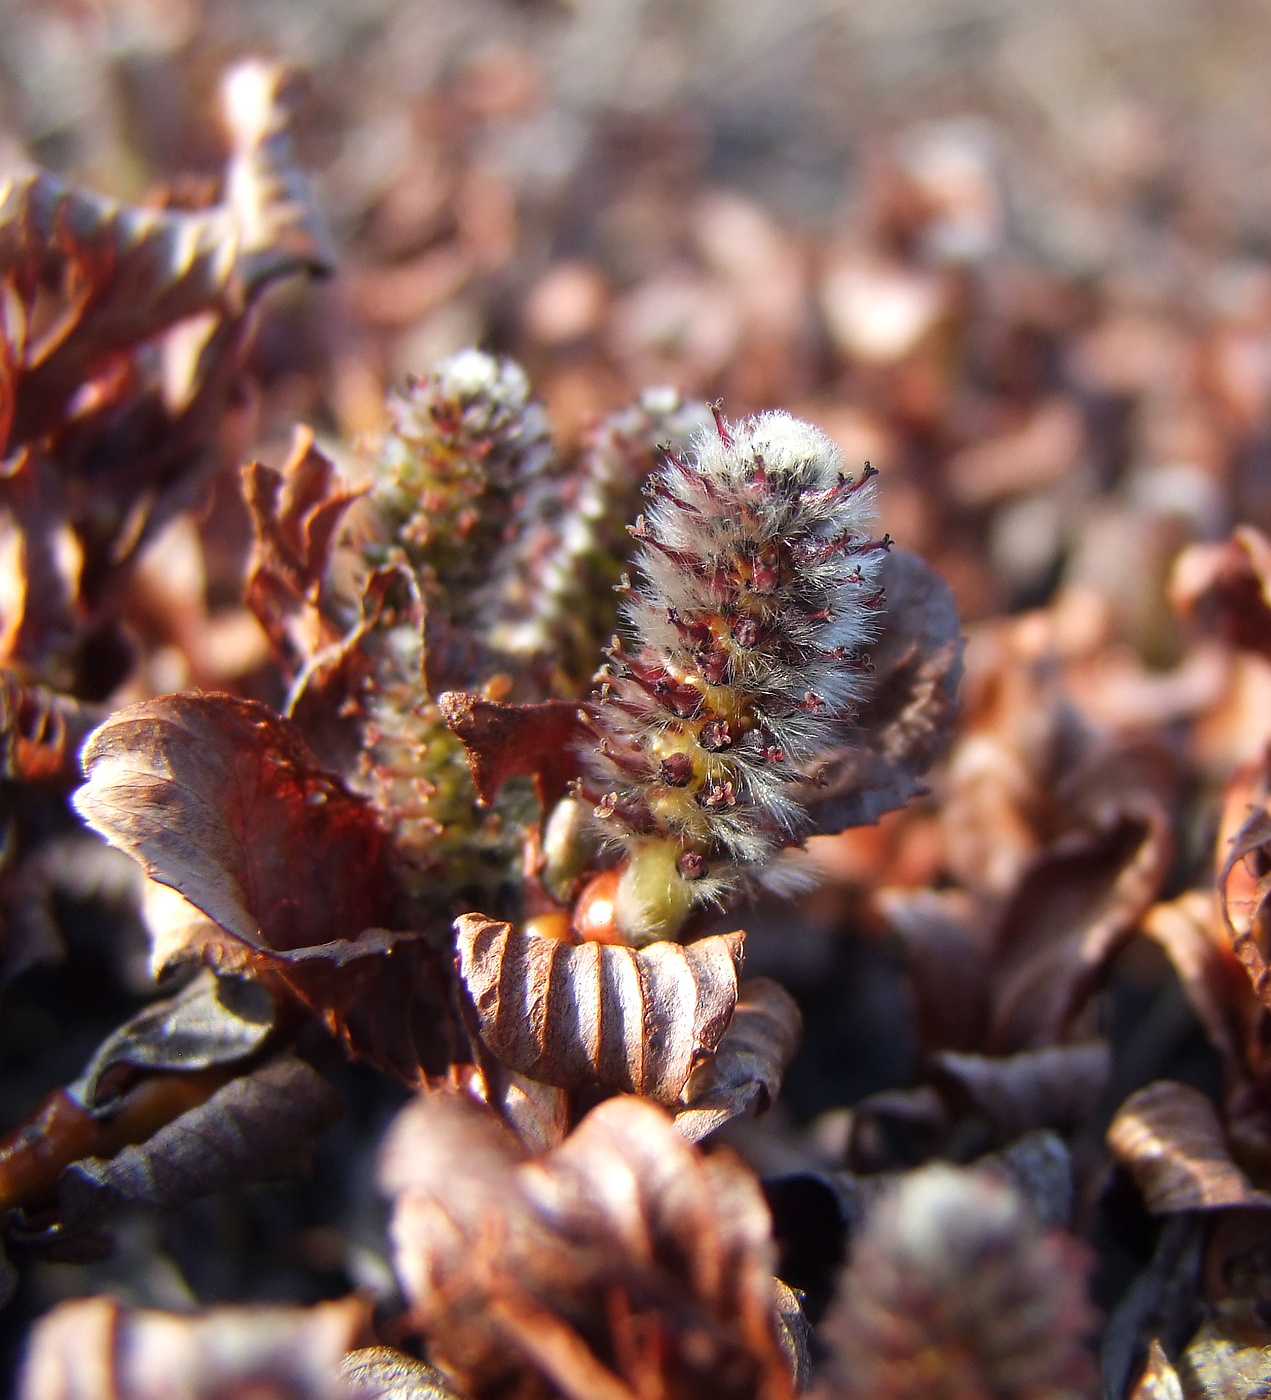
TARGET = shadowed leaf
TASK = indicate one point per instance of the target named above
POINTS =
(1170, 1140)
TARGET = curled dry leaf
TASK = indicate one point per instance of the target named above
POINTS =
(1058, 1086)
(98, 1349)
(1169, 1138)
(907, 720)
(637, 1021)
(744, 1074)
(1229, 583)
(259, 1127)
(503, 741)
(383, 1373)
(137, 318)
(1243, 884)
(295, 514)
(212, 1021)
(222, 800)
(41, 731)
(1075, 905)
(621, 1264)
(947, 964)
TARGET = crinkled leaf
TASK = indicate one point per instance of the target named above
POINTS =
(213, 1021)
(383, 1373)
(95, 1348)
(1169, 1138)
(41, 731)
(260, 1127)
(1229, 583)
(503, 741)
(907, 721)
(1058, 1086)
(295, 515)
(1073, 909)
(638, 1021)
(744, 1074)
(618, 1261)
(947, 965)
(221, 799)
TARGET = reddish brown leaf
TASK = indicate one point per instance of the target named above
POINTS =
(1073, 909)
(1059, 1086)
(503, 741)
(621, 1264)
(222, 800)
(295, 515)
(98, 1349)
(1169, 1138)
(41, 731)
(744, 1074)
(1229, 582)
(572, 1015)
(947, 965)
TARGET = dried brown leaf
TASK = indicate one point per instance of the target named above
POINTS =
(1191, 932)
(947, 964)
(383, 1373)
(99, 1349)
(1159, 1380)
(259, 1127)
(907, 721)
(743, 1076)
(1228, 1359)
(1243, 882)
(295, 515)
(221, 799)
(503, 741)
(635, 1020)
(41, 731)
(1169, 1138)
(1074, 907)
(1059, 1086)
(1229, 583)
(621, 1264)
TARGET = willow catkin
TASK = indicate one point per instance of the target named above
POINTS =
(758, 588)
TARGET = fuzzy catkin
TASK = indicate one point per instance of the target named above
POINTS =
(759, 587)
(955, 1293)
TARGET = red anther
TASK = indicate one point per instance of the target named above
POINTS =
(814, 704)
(713, 664)
(715, 736)
(746, 633)
(718, 795)
(691, 865)
(765, 573)
(676, 770)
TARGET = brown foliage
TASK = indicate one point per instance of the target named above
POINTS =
(622, 1264)
(295, 515)
(505, 740)
(637, 1021)
(98, 1349)
(1170, 1138)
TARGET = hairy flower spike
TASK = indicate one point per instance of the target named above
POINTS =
(466, 442)
(954, 1293)
(552, 602)
(759, 588)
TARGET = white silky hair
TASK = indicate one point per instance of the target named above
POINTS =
(768, 486)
